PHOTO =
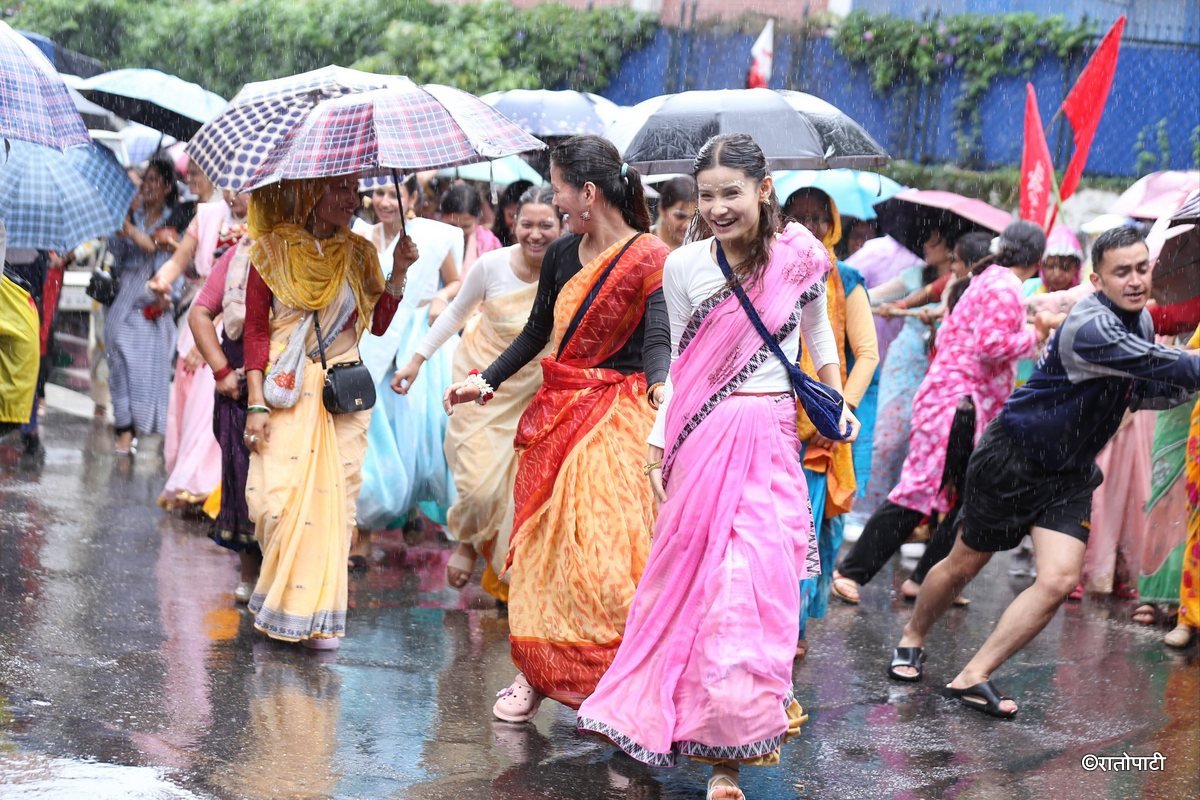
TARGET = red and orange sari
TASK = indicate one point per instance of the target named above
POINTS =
(584, 511)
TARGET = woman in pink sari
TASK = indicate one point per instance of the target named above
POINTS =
(705, 668)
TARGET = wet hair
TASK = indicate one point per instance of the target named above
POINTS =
(166, 171)
(462, 199)
(973, 248)
(676, 191)
(536, 195)
(1022, 243)
(740, 152)
(1114, 239)
(809, 191)
(510, 196)
(592, 159)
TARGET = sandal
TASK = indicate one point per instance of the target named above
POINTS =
(835, 588)
(983, 697)
(906, 657)
(1180, 636)
(723, 780)
(459, 569)
(1126, 591)
(1076, 594)
(517, 703)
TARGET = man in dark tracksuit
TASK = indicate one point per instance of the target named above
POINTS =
(1034, 470)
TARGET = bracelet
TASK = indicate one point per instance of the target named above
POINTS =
(476, 380)
(646, 470)
(223, 372)
(257, 410)
(397, 293)
(650, 394)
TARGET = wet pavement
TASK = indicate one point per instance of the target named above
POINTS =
(126, 671)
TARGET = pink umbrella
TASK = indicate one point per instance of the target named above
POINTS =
(912, 215)
(1158, 194)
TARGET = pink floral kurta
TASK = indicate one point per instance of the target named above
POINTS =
(977, 351)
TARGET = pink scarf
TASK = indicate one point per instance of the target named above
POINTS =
(720, 349)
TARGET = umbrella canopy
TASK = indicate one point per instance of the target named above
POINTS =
(546, 114)
(1177, 271)
(94, 116)
(664, 134)
(34, 103)
(847, 144)
(912, 215)
(502, 171)
(231, 147)
(54, 201)
(854, 192)
(405, 127)
(163, 102)
(1157, 195)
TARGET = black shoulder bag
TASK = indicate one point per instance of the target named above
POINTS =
(349, 387)
(822, 404)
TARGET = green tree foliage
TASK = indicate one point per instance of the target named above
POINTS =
(222, 45)
(903, 55)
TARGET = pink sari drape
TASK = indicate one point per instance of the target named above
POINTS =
(705, 667)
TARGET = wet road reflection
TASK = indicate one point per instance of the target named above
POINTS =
(127, 672)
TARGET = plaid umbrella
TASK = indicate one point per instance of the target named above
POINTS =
(164, 102)
(34, 103)
(231, 147)
(404, 128)
(54, 201)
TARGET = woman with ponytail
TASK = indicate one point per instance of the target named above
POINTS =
(583, 510)
(705, 670)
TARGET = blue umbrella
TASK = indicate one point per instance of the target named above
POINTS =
(55, 201)
(34, 103)
(854, 192)
(545, 113)
(161, 101)
(502, 171)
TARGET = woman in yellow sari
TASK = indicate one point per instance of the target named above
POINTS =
(479, 441)
(583, 510)
(310, 273)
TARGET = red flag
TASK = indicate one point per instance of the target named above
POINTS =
(1085, 102)
(1037, 170)
(762, 56)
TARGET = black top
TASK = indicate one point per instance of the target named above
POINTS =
(648, 349)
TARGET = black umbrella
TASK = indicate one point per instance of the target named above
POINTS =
(664, 134)
(163, 102)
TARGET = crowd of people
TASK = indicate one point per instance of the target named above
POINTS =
(656, 431)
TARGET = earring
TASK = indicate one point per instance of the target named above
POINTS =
(586, 215)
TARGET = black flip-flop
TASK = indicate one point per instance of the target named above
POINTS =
(906, 657)
(358, 564)
(987, 693)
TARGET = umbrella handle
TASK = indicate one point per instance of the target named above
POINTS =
(396, 180)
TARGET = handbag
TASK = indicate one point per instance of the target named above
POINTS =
(285, 379)
(822, 404)
(103, 287)
(349, 387)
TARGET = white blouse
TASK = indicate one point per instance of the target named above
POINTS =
(691, 276)
(433, 239)
(490, 276)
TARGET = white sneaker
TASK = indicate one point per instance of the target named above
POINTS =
(242, 593)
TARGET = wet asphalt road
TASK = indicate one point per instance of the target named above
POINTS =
(126, 671)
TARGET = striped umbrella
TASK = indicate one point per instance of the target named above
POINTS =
(402, 127)
(34, 103)
(54, 201)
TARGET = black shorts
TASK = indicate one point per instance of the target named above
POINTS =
(1007, 493)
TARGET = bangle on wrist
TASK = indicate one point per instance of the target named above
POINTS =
(476, 380)
(650, 394)
(653, 465)
(223, 372)
(257, 410)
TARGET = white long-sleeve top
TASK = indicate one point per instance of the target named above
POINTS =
(491, 276)
(691, 276)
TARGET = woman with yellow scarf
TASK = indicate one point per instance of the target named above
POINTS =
(309, 272)
(829, 467)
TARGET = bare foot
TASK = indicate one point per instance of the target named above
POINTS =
(801, 649)
(910, 589)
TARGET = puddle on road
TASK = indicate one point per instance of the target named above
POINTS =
(31, 776)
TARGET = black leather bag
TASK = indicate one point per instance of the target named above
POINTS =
(349, 387)
(103, 287)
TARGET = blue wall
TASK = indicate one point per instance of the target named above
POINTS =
(1153, 82)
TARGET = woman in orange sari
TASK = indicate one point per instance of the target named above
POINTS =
(583, 508)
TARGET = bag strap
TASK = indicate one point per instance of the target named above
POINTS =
(794, 371)
(592, 295)
(320, 344)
